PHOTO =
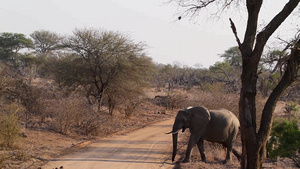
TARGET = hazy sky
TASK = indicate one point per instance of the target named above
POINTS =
(151, 21)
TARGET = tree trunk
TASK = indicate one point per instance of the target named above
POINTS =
(254, 141)
(252, 47)
(111, 105)
(289, 76)
(247, 115)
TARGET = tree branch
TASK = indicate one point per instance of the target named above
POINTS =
(265, 34)
(253, 8)
(235, 33)
(290, 75)
(193, 7)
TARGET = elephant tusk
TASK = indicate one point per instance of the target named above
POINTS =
(173, 132)
(176, 131)
(169, 132)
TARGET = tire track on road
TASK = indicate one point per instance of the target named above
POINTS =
(145, 148)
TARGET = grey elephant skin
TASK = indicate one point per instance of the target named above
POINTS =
(220, 126)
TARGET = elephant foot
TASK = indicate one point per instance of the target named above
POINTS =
(186, 161)
(204, 160)
(226, 161)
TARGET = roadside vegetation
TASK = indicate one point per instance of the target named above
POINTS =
(95, 83)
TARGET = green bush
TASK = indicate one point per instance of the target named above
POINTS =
(285, 139)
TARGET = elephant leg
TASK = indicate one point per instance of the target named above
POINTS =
(192, 141)
(201, 150)
(228, 155)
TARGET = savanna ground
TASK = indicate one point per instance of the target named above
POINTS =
(40, 144)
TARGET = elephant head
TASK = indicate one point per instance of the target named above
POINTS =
(197, 117)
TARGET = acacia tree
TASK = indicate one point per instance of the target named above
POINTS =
(45, 41)
(227, 74)
(233, 56)
(101, 60)
(11, 44)
(253, 138)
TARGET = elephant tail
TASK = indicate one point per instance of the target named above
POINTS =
(237, 154)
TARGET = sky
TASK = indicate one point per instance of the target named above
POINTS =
(169, 40)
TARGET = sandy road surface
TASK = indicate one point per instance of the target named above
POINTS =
(145, 148)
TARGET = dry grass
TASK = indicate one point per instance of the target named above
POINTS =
(55, 137)
(42, 144)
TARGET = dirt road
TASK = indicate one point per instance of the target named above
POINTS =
(145, 148)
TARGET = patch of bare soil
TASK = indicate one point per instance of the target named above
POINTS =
(37, 147)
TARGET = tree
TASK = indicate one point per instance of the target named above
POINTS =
(45, 41)
(100, 59)
(254, 139)
(171, 72)
(133, 77)
(226, 73)
(278, 58)
(233, 56)
(11, 43)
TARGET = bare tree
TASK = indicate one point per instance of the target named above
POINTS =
(254, 139)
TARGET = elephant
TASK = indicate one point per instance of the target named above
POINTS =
(220, 126)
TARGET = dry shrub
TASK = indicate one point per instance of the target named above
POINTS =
(89, 123)
(2, 159)
(178, 99)
(72, 114)
(213, 87)
(131, 106)
(172, 100)
(217, 100)
(9, 125)
(21, 155)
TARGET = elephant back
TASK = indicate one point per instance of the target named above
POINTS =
(222, 127)
(202, 112)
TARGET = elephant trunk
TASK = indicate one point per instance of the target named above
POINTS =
(175, 136)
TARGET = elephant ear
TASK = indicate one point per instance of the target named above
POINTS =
(202, 115)
(185, 115)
